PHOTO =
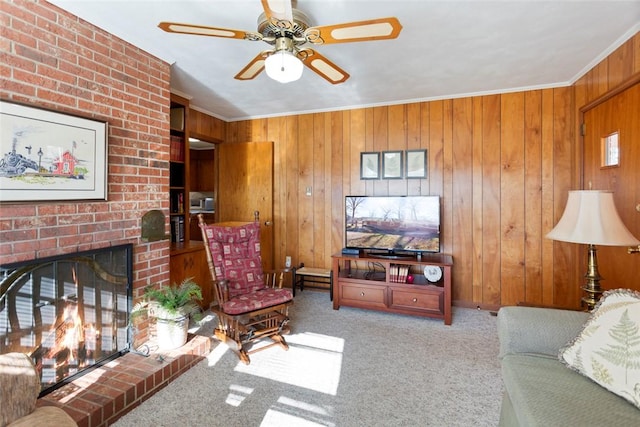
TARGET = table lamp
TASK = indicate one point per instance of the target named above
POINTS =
(591, 218)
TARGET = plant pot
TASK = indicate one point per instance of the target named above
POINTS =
(172, 333)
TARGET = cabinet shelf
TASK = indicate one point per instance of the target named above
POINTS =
(379, 283)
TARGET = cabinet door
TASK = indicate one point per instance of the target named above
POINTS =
(193, 264)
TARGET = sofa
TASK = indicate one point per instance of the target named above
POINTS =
(539, 388)
(19, 390)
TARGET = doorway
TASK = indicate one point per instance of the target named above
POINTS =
(245, 186)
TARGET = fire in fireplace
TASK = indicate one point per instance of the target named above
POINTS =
(69, 313)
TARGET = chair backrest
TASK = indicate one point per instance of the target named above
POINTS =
(235, 254)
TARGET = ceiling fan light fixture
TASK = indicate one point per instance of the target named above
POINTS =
(283, 66)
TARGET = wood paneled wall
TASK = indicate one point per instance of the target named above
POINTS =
(501, 163)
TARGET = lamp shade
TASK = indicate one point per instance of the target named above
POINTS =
(590, 217)
(283, 66)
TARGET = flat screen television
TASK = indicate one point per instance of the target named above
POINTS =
(393, 224)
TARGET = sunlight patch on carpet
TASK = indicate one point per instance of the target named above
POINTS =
(216, 354)
(305, 406)
(313, 361)
(275, 418)
(237, 394)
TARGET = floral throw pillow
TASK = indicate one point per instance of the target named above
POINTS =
(608, 349)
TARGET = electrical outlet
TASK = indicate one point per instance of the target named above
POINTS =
(287, 261)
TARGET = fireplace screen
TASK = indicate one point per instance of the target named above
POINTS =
(69, 313)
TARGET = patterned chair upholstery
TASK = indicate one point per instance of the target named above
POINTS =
(252, 304)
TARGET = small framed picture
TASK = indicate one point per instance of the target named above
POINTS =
(369, 165)
(416, 161)
(392, 164)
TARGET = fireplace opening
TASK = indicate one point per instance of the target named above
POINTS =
(69, 313)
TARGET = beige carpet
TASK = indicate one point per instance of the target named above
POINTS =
(348, 367)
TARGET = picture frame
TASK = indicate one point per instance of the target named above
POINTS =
(392, 164)
(369, 165)
(47, 155)
(416, 164)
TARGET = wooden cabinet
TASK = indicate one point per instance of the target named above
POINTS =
(380, 283)
(191, 261)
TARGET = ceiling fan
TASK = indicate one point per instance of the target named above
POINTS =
(288, 31)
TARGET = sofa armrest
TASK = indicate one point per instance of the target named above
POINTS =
(19, 387)
(537, 330)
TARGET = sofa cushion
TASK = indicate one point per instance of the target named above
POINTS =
(607, 350)
(45, 416)
(544, 392)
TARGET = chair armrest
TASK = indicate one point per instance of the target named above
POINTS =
(537, 330)
(222, 290)
(274, 278)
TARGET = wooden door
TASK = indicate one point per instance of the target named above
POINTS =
(245, 185)
(618, 114)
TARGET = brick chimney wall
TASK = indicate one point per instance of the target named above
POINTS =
(54, 60)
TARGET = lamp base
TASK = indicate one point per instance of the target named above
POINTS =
(592, 287)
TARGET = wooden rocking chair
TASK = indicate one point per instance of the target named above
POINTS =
(252, 305)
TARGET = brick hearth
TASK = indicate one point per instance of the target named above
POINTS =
(106, 393)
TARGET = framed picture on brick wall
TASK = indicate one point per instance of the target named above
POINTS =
(48, 155)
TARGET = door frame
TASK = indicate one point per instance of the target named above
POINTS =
(585, 108)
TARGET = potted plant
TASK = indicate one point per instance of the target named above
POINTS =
(172, 307)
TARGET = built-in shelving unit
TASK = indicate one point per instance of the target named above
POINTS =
(179, 171)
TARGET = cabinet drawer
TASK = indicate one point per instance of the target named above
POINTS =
(430, 301)
(362, 294)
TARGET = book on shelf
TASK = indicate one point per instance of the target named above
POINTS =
(176, 149)
(398, 273)
(177, 202)
(177, 229)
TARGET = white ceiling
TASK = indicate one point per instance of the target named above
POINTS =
(446, 49)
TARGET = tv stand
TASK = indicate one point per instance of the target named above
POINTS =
(370, 281)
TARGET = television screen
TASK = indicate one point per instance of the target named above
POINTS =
(393, 223)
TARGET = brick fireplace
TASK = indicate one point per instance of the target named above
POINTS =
(70, 314)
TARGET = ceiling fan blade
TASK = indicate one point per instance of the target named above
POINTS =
(202, 30)
(321, 65)
(280, 10)
(373, 29)
(253, 68)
